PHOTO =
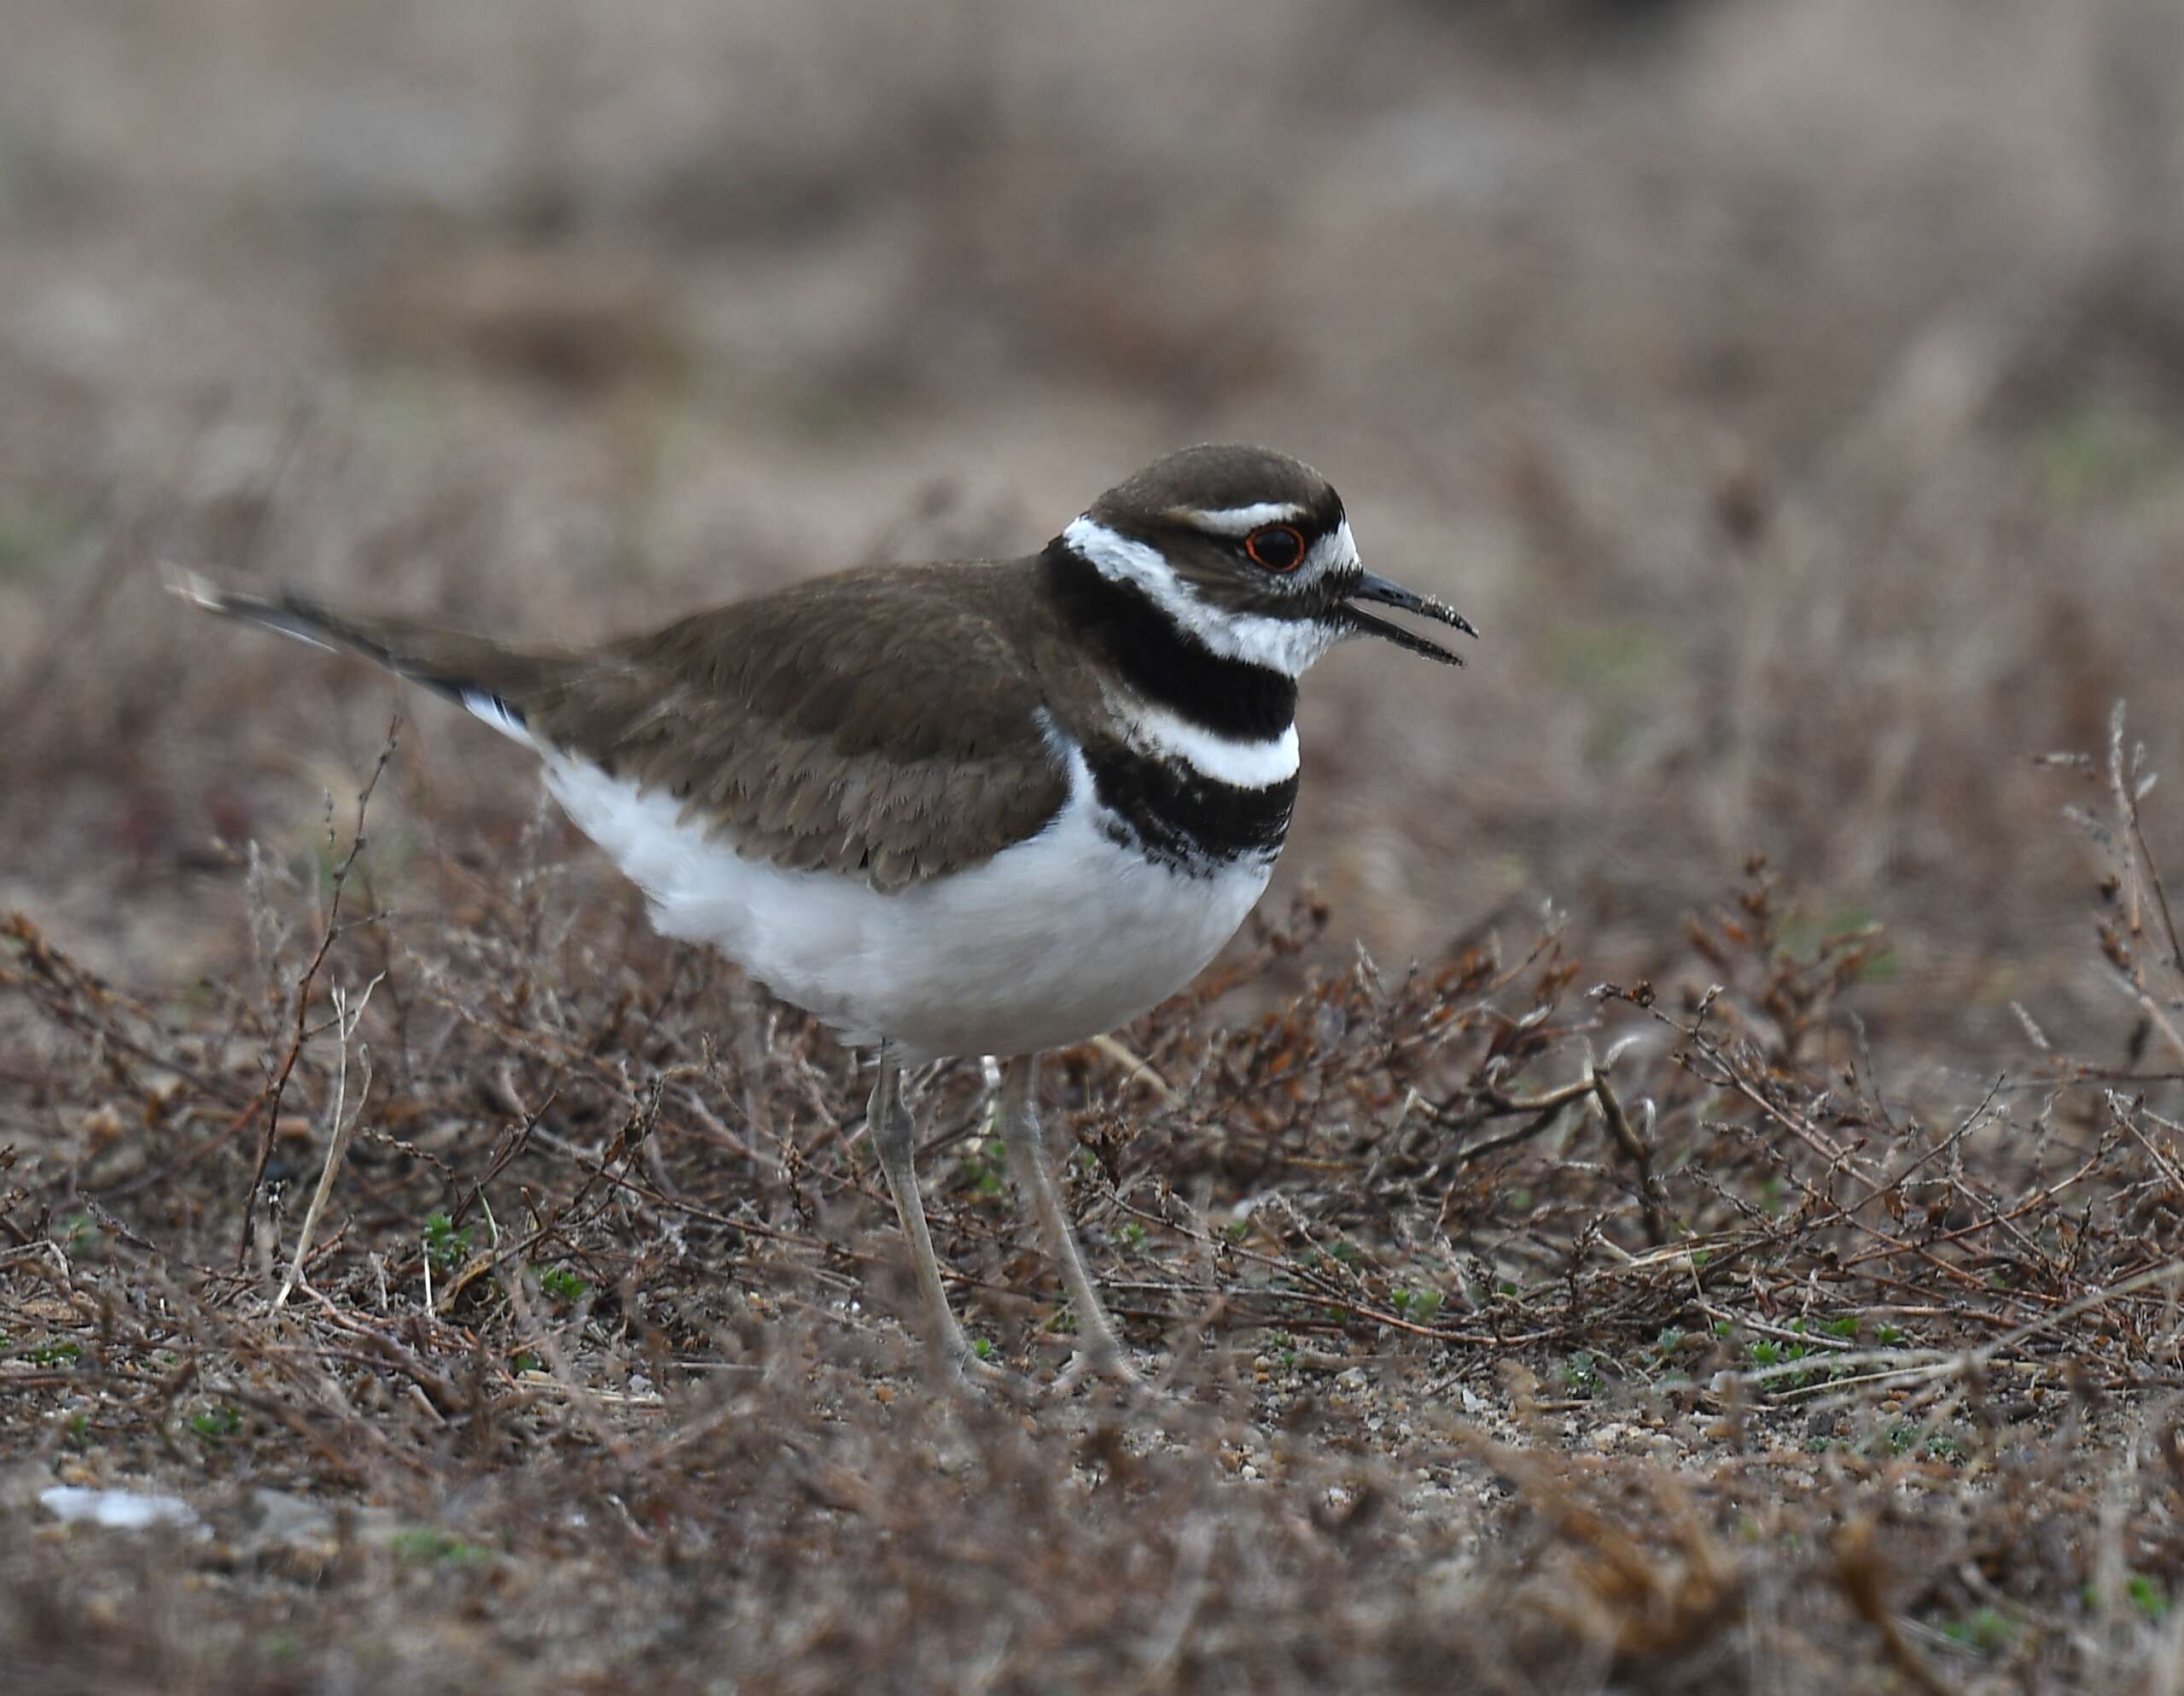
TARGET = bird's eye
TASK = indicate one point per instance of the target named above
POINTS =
(1276, 547)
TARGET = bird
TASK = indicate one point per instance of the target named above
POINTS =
(988, 808)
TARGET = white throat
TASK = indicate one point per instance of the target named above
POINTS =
(1288, 645)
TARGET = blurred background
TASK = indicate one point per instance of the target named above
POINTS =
(1792, 393)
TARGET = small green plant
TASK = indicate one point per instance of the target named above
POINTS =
(2101, 452)
(1766, 1353)
(76, 1435)
(1133, 1237)
(525, 1361)
(1986, 1631)
(51, 1353)
(445, 1247)
(1418, 1305)
(425, 1545)
(982, 1349)
(216, 1425)
(562, 1284)
(1846, 1327)
(2141, 1592)
(985, 1169)
(1671, 1342)
(1580, 1374)
(1888, 1336)
(34, 537)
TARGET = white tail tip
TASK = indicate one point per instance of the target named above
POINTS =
(199, 591)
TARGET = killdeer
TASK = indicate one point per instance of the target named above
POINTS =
(984, 808)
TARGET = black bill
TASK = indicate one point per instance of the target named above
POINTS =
(1372, 588)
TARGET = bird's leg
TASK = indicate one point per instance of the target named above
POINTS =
(894, 1135)
(1100, 1350)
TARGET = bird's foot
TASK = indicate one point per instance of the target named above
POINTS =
(975, 1371)
(1110, 1362)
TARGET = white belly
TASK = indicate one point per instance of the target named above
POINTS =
(1051, 942)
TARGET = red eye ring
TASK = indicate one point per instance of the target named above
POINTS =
(1275, 547)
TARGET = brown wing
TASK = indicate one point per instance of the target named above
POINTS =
(881, 722)
(885, 723)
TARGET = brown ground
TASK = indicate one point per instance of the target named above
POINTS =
(1793, 394)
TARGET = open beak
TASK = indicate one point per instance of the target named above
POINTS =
(1372, 588)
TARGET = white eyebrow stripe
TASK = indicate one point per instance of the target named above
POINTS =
(1238, 521)
(1224, 759)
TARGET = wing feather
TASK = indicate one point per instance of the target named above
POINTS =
(881, 722)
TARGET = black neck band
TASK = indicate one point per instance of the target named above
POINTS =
(1129, 631)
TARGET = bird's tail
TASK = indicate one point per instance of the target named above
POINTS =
(491, 680)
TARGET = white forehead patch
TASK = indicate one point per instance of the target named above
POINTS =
(1288, 645)
(1237, 521)
(1334, 552)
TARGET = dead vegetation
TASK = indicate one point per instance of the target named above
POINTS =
(1512, 1331)
(1575, 1252)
